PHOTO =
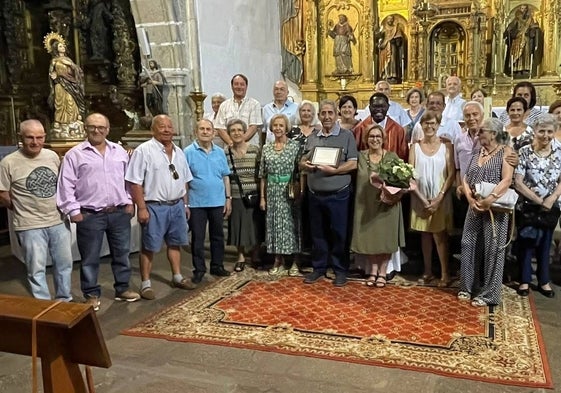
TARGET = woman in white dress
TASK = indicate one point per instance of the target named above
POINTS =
(431, 208)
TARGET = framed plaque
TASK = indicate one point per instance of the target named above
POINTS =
(326, 156)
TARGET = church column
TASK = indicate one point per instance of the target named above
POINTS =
(194, 58)
(164, 23)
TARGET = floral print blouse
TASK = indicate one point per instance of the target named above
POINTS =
(541, 174)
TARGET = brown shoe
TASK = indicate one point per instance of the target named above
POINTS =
(147, 293)
(184, 284)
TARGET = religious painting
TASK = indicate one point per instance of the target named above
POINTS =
(342, 45)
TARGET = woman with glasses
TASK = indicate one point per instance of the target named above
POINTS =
(377, 227)
(485, 231)
(431, 206)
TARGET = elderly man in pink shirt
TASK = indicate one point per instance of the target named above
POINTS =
(91, 190)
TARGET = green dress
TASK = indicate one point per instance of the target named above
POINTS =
(377, 228)
(282, 229)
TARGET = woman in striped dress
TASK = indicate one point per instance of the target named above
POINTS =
(485, 231)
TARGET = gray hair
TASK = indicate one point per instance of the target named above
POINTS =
(298, 120)
(218, 95)
(328, 102)
(234, 122)
(546, 119)
(497, 128)
(475, 103)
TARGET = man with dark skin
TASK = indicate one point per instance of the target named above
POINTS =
(396, 138)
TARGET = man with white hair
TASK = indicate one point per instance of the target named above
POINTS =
(454, 102)
(281, 104)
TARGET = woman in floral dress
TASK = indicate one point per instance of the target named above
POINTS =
(278, 162)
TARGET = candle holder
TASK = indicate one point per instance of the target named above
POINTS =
(424, 11)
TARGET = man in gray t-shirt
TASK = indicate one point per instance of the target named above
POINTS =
(329, 193)
(28, 179)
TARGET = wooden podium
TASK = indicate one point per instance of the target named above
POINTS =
(67, 335)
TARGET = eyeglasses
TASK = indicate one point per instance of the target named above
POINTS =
(173, 172)
(90, 128)
(429, 124)
(375, 137)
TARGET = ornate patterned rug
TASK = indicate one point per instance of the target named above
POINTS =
(404, 325)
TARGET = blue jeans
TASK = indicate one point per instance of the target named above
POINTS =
(89, 236)
(328, 216)
(540, 246)
(197, 223)
(37, 245)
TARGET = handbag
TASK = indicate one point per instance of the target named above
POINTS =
(529, 214)
(290, 191)
(251, 198)
(505, 203)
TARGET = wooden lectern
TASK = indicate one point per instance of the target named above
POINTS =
(67, 335)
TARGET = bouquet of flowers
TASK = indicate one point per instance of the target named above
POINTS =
(394, 177)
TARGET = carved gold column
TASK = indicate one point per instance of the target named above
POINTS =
(549, 23)
(311, 37)
(368, 41)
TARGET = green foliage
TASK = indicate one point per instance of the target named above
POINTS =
(396, 172)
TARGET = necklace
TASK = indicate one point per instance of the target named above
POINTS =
(485, 152)
(374, 155)
(546, 152)
(278, 146)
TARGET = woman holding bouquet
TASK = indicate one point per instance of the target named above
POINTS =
(431, 208)
(377, 227)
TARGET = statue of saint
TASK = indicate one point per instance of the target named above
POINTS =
(524, 42)
(99, 22)
(343, 36)
(67, 91)
(154, 81)
(392, 47)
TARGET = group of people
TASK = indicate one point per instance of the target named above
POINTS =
(294, 179)
(452, 148)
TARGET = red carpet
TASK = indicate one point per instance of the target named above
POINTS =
(405, 326)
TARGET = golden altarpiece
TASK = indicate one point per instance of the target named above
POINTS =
(345, 46)
(99, 36)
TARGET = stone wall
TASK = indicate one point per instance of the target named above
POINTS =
(236, 36)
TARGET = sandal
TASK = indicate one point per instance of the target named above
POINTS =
(426, 278)
(478, 302)
(371, 282)
(239, 266)
(444, 282)
(463, 295)
(381, 282)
